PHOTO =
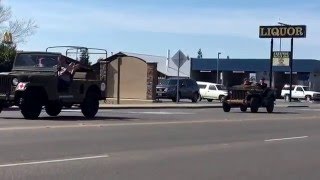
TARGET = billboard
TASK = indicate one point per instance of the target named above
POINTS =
(294, 31)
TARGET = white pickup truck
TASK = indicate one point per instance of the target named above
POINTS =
(299, 92)
(211, 91)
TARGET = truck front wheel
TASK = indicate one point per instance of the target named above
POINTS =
(308, 98)
(254, 105)
(226, 107)
(270, 107)
(30, 105)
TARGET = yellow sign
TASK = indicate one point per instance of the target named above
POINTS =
(7, 38)
(281, 58)
(298, 31)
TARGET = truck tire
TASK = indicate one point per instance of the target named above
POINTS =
(254, 105)
(53, 108)
(286, 97)
(195, 98)
(270, 107)
(226, 107)
(30, 105)
(221, 97)
(175, 98)
(1, 108)
(243, 108)
(90, 105)
(308, 98)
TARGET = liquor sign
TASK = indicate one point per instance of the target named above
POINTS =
(292, 31)
(281, 58)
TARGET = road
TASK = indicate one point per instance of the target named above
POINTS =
(162, 144)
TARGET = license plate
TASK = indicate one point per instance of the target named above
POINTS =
(159, 94)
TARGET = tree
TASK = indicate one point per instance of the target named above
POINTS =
(19, 29)
(7, 55)
(84, 57)
(200, 54)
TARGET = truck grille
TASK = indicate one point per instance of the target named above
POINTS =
(236, 94)
(5, 85)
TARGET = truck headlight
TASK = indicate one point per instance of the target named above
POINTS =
(15, 81)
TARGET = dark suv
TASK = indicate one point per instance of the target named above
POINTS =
(188, 89)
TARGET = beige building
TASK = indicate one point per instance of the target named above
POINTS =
(139, 74)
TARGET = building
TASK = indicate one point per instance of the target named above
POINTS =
(233, 71)
(139, 74)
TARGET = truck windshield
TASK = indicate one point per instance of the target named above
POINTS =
(306, 88)
(35, 60)
(170, 82)
(221, 87)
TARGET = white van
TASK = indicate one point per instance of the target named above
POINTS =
(211, 91)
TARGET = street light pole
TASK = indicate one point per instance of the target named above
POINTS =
(291, 61)
(217, 81)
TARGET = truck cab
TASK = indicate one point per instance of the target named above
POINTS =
(33, 84)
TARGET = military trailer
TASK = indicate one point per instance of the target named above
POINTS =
(33, 84)
(252, 97)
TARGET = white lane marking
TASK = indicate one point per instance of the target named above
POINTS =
(79, 110)
(71, 110)
(308, 109)
(160, 113)
(54, 161)
(284, 139)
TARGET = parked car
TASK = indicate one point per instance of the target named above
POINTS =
(212, 91)
(299, 92)
(188, 89)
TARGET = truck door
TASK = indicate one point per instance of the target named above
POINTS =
(299, 93)
(212, 92)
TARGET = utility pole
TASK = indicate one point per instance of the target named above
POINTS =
(217, 81)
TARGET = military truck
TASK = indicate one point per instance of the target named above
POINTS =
(33, 84)
(251, 96)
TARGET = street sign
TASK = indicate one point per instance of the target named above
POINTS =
(179, 59)
(281, 58)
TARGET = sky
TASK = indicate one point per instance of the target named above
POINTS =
(154, 26)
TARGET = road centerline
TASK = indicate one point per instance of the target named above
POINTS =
(53, 161)
(286, 139)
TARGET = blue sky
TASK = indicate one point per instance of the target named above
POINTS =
(154, 26)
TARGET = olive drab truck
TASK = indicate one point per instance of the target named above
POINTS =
(33, 84)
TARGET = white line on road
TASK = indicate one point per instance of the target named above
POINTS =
(284, 139)
(160, 113)
(53, 161)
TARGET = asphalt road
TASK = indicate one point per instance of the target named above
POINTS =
(162, 144)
